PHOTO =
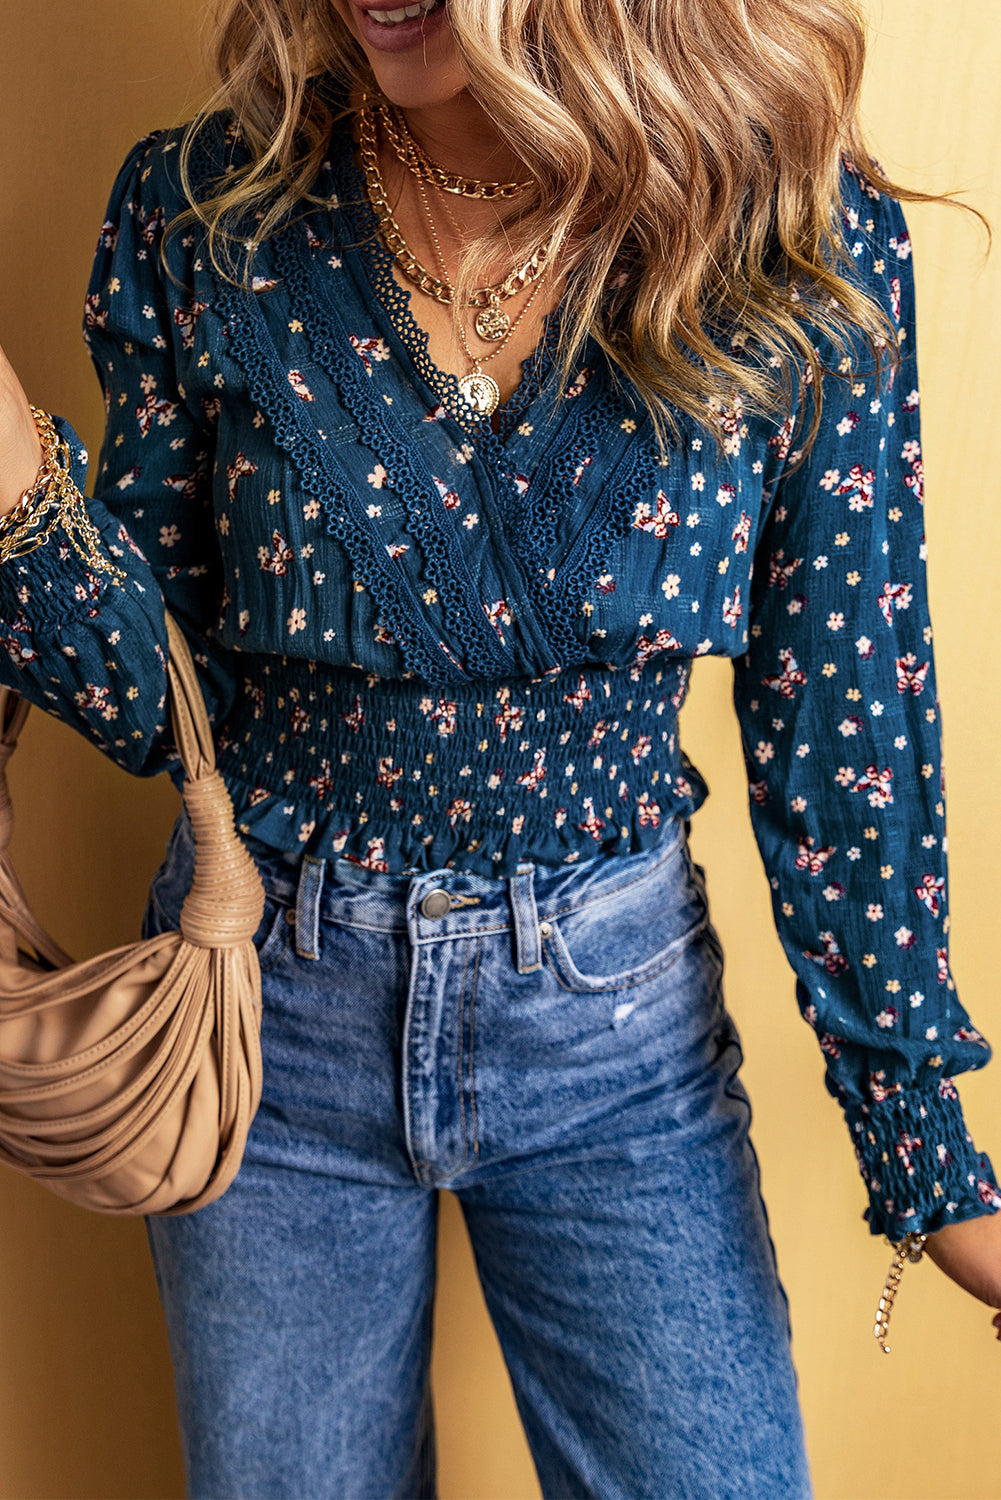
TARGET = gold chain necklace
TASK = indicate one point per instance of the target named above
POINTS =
(479, 390)
(393, 238)
(399, 136)
(492, 323)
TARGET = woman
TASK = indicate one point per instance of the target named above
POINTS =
(445, 633)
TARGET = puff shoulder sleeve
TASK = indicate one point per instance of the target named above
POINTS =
(82, 605)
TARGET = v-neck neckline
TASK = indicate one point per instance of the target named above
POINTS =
(372, 265)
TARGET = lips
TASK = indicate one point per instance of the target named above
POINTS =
(381, 28)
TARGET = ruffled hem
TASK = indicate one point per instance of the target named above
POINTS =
(919, 1162)
(306, 827)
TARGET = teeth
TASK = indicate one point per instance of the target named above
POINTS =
(405, 13)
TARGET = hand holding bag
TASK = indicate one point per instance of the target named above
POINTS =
(128, 1082)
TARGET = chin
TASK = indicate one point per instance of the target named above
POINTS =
(415, 64)
(425, 91)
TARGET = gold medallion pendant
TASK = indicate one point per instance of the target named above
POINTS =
(492, 323)
(480, 392)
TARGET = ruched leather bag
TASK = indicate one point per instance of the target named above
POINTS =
(128, 1082)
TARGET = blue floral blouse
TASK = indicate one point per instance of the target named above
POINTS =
(427, 643)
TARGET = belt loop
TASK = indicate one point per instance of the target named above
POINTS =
(527, 939)
(307, 906)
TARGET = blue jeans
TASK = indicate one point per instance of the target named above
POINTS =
(554, 1049)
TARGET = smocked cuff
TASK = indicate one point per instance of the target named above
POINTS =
(55, 562)
(919, 1162)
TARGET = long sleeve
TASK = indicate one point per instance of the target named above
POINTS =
(841, 728)
(83, 625)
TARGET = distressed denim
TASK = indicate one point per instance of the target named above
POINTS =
(553, 1048)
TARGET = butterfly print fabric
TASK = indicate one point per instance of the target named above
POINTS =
(424, 642)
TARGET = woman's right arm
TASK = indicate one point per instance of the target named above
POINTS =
(83, 588)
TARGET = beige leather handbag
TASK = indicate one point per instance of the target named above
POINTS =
(128, 1082)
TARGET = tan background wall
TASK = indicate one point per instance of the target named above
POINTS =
(86, 1407)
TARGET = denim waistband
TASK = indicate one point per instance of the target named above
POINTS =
(558, 889)
(439, 904)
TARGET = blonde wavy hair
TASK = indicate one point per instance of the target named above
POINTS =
(685, 155)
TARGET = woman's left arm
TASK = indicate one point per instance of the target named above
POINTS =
(970, 1253)
(841, 730)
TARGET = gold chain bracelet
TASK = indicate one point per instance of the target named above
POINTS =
(51, 503)
(910, 1248)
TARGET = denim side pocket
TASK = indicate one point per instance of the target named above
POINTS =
(630, 935)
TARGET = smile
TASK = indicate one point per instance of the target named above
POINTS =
(404, 13)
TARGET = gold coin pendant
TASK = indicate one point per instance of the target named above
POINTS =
(492, 323)
(480, 392)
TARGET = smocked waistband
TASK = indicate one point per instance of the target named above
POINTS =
(451, 901)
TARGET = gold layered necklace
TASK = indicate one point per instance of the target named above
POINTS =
(406, 149)
(478, 389)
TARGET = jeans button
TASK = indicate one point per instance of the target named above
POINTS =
(436, 903)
